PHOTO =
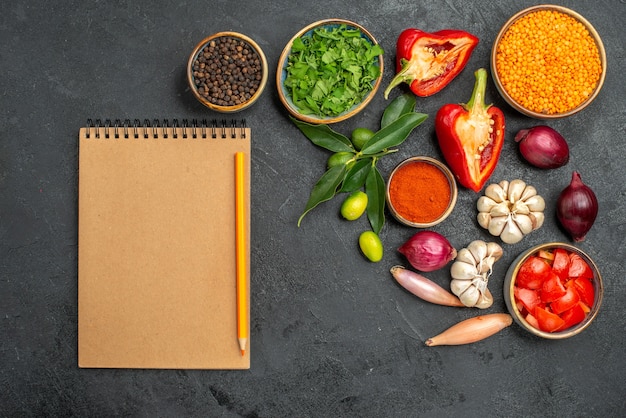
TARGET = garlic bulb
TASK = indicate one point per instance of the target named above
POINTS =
(510, 210)
(470, 273)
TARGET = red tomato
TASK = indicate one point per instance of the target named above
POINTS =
(528, 297)
(585, 290)
(560, 265)
(579, 268)
(548, 321)
(532, 273)
(532, 321)
(567, 301)
(584, 307)
(552, 288)
(572, 317)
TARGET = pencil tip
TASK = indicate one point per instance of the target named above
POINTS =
(243, 353)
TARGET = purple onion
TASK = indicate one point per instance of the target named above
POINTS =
(428, 251)
(543, 147)
(577, 208)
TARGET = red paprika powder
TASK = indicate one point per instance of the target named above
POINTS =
(419, 192)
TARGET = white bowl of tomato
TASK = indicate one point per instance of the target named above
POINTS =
(553, 290)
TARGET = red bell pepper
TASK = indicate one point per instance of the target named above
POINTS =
(429, 61)
(471, 136)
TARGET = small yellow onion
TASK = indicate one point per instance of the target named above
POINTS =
(510, 210)
(472, 330)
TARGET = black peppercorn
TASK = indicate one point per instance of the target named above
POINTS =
(226, 68)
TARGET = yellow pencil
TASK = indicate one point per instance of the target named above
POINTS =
(242, 265)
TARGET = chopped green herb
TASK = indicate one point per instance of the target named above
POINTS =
(331, 70)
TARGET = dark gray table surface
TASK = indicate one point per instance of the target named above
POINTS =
(332, 334)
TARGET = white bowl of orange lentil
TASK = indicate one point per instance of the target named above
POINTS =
(548, 62)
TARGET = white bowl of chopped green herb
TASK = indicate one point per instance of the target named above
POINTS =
(329, 71)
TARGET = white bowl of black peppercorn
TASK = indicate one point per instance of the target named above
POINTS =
(227, 72)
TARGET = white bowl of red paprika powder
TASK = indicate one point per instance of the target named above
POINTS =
(421, 192)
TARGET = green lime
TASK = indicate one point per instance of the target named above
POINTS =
(360, 136)
(371, 246)
(339, 158)
(354, 205)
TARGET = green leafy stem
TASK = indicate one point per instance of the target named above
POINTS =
(398, 121)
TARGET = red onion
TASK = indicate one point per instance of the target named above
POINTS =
(543, 147)
(428, 251)
(577, 208)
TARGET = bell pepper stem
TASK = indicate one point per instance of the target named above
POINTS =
(477, 101)
(403, 76)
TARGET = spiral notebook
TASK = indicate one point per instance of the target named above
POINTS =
(156, 244)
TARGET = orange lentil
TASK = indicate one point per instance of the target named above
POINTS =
(548, 62)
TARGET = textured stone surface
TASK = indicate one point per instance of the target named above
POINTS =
(332, 334)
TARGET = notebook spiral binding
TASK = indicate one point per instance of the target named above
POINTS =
(163, 128)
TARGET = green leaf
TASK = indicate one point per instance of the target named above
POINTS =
(399, 106)
(375, 190)
(351, 33)
(325, 188)
(374, 51)
(323, 136)
(355, 177)
(393, 134)
(297, 45)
